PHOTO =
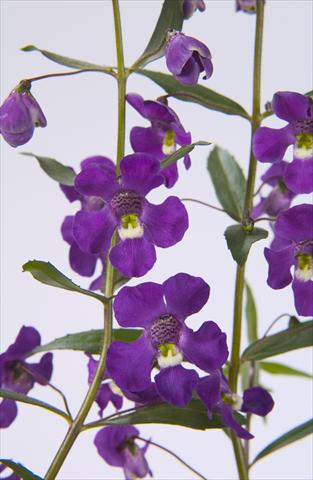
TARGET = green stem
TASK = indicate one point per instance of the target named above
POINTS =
(107, 70)
(241, 461)
(121, 82)
(203, 203)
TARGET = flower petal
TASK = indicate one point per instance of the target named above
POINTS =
(303, 294)
(96, 181)
(290, 106)
(296, 224)
(190, 72)
(270, 144)
(165, 223)
(279, 263)
(130, 364)
(209, 391)
(27, 339)
(274, 173)
(93, 230)
(151, 110)
(185, 294)
(42, 371)
(299, 175)
(70, 192)
(139, 306)
(8, 412)
(177, 54)
(206, 348)
(229, 421)
(82, 262)
(133, 258)
(170, 175)
(176, 384)
(146, 140)
(109, 441)
(258, 401)
(140, 172)
(99, 161)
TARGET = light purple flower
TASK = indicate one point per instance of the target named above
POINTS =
(161, 311)
(84, 263)
(19, 376)
(140, 225)
(162, 137)
(215, 393)
(116, 445)
(19, 115)
(293, 248)
(187, 57)
(247, 6)
(190, 6)
(269, 144)
(280, 197)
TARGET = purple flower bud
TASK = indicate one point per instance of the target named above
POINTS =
(19, 115)
(190, 6)
(187, 57)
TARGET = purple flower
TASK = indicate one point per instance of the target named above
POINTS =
(293, 247)
(108, 391)
(13, 475)
(84, 263)
(247, 6)
(269, 144)
(161, 310)
(280, 197)
(19, 376)
(190, 6)
(187, 57)
(116, 445)
(140, 224)
(19, 115)
(161, 138)
(215, 393)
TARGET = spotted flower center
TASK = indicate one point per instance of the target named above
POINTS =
(127, 207)
(164, 334)
(304, 270)
(304, 138)
(169, 146)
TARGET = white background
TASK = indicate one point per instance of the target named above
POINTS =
(81, 113)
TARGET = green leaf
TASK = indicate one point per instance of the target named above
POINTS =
(55, 170)
(285, 341)
(194, 415)
(251, 315)
(289, 437)
(171, 17)
(181, 152)
(90, 341)
(239, 241)
(19, 397)
(20, 471)
(280, 369)
(195, 93)
(228, 180)
(66, 61)
(46, 273)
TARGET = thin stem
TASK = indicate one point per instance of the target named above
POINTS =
(274, 322)
(121, 81)
(108, 71)
(265, 183)
(63, 398)
(173, 455)
(265, 219)
(240, 457)
(252, 381)
(203, 203)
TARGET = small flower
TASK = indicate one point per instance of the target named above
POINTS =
(190, 6)
(19, 115)
(161, 139)
(84, 263)
(140, 224)
(116, 445)
(161, 311)
(215, 393)
(280, 197)
(293, 246)
(269, 144)
(19, 376)
(247, 6)
(187, 57)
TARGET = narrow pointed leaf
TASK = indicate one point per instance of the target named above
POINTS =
(66, 61)
(196, 94)
(171, 17)
(20, 470)
(251, 315)
(46, 273)
(280, 369)
(90, 341)
(194, 415)
(228, 181)
(181, 152)
(289, 437)
(239, 241)
(285, 341)
(55, 170)
(19, 397)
